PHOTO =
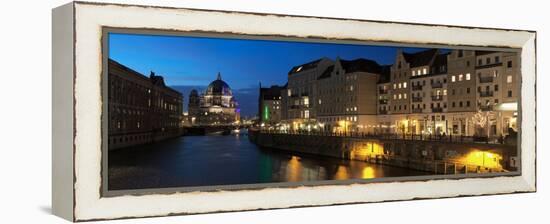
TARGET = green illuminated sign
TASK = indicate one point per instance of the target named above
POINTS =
(266, 113)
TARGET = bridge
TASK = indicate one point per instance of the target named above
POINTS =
(212, 129)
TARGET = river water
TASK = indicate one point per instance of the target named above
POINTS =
(225, 160)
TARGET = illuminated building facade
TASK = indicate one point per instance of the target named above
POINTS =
(270, 106)
(141, 109)
(216, 106)
(431, 92)
(346, 95)
(300, 95)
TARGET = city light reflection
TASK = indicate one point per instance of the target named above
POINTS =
(483, 159)
(294, 168)
(368, 172)
(342, 173)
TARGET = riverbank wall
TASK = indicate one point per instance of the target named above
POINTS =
(431, 156)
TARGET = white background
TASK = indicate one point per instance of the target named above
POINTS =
(25, 112)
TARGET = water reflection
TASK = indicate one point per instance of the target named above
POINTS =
(225, 160)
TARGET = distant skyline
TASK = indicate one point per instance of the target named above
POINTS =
(186, 62)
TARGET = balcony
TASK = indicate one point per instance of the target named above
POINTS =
(384, 101)
(437, 85)
(486, 93)
(416, 99)
(486, 79)
(416, 87)
(437, 98)
(383, 91)
(417, 110)
(437, 110)
(382, 112)
(305, 106)
(498, 64)
(486, 108)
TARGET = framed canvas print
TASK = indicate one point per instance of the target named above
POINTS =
(165, 111)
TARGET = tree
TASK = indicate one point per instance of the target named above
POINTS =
(483, 122)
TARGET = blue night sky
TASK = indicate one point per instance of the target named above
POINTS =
(193, 62)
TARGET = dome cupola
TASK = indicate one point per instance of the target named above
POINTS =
(218, 87)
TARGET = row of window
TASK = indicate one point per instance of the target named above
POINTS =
(337, 119)
(399, 85)
(423, 71)
(460, 77)
(332, 110)
(488, 61)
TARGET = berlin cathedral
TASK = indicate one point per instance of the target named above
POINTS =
(216, 106)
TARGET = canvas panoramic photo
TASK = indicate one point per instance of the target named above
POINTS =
(197, 111)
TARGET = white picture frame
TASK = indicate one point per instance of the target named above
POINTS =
(77, 110)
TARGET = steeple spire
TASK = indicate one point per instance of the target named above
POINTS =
(219, 76)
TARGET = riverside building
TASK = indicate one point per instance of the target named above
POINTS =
(141, 109)
(431, 92)
(269, 105)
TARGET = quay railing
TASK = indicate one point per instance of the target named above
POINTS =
(394, 136)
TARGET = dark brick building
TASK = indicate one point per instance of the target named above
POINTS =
(141, 109)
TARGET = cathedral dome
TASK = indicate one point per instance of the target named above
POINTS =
(219, 87)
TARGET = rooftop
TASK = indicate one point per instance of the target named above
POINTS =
(421, 58)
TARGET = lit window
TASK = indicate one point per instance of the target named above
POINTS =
(453, 78)
(394, 86)
(306, 114)
(444, 92)
(394, 96)
(425, 71)
(399, 85)
(460, 77)
(405, 85)
(404, 96)
(355, 108)
(306, 101)
(355, 118)
(413, 73)
(319, 101)
(289, 92)
(350, 88)
(467, 76)
(400, 96)
(509, 79)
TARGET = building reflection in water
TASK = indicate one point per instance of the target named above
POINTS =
(309, 168)
(233, 159)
